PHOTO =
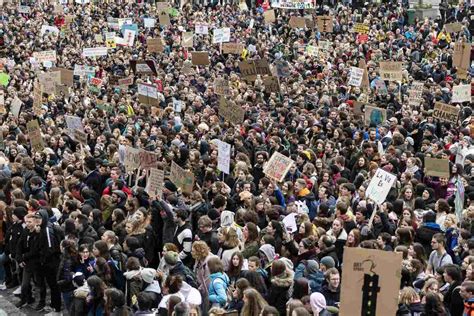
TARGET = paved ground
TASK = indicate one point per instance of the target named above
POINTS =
(7, 305)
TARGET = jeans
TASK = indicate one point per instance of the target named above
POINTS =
(3, 259)
(26, 294)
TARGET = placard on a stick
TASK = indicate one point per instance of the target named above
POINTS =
(34, 133)
(380, 185)
(391, 70)
(155, 45)
(325, 23)
(200, 58)
(230, 111)
(370, 282)
(277, 167)
(437, 167)
(181, 178)
(446, 112)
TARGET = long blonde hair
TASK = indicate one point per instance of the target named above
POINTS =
(408, 296)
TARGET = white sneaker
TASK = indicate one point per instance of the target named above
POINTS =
(17, 291)
(53, 313)
(3, 287)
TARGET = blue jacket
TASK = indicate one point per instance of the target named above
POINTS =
(219, 282)
(315, 279)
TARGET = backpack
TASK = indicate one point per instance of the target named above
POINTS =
(190, 277)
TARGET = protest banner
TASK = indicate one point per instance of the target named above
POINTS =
(223, 156)
(75, 128)
(293, 4)
(143, 66)
(455, 27)
(391, 70)
(94, 52)
(437, 167)
(221, 87)
(181, 178)
(37, 99)
(47, 55)
(84, 70)
(461, 93)
(187, 39)
(380, 185)
(230, 111)
(221, 35)
(148, 159)
(110, 40)
(200, 58)
(355, 78)
(361, 28)
(277, 167)
(34, 133)
(148, 94)
(48, 29)
(250, 68)
(462, 58)
(271, 84)
(269, 16)
(375, 116)
(154, 183)
(370, 282)
(325, 23)
(297, 22)
(49, 80)
(282, 68)
(415, 93)
(3, 110)
(232, 48)
(132, 158)
(155, 45)
(201, 28)
(446, 112)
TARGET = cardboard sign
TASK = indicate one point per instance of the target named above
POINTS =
(148, 94)
(155, 181)
(181, 178)
(3, 110)
(37, 99)
(155, 45)
(355, 78)
(437, 167)
(125, 81)
(391, 70)
(461, 93)
(67, 77)
(187, 39)
(453, 27)
(277, 167)
(200, 58)
(361, 28)
(132, 158)
(297, 22)
(415, 93)
(375, 116)
(362, 38)
(271, 84)
(47, 55)
(34, 133)
(269, 16)
(15, 107)
(49, 80)
(230, 111)
(164, 18)
(223, 156)
(370, 282)
(446, 112)
(232, 48)
(94, 52)
(250, 68)
(143, 66)
(294, 4)
(462, 55)
(201, 28)
(365, 84)
(282, 68)
(148, 159)
(380, 185)
(221, 87)
(221, 35)
(325, 23)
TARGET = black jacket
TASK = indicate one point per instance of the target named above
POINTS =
(453, 300)
(424, 234)
(12, 237)
(278, 294)
(28, 250)
(49, 242)
(331, 297)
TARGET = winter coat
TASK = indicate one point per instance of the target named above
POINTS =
(202, 275)
(79, 303)
(279, 292)
(315, 277)
(218, 284)
(12, 237)
(225, 254)
(425, 233)
(331, 297)
(28, 250)
(134, 285)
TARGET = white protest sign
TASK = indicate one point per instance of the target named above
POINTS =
(356, 76)
(47, 55)
(177, 106)
(24, 9)
(380, 185)
(221, 35)
(290, 223)
(129, 37)
(223, 156)
(84, 70)
(94, 51)
(415, 93)
(201, 28)
(462, 93)
(154, 184)
(277, 167)
(149, 22)
(15, 107)
(51, 29)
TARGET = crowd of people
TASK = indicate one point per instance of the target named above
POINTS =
(81, 235)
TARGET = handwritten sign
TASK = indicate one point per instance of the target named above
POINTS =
(200, 58)
(94, 52)
(154, 185)
(437, 167)
(188, 39)
(148, 94)
(132, 158)
(269, 16)
(155, 45)
(75, 128)
(325, 23)
(294, 4)
(415, 93)
(47, 55)
(355, 78)
(453, 27)
(148, 159)
(277, 167)
(375, 116)
(221, 87)
(232, 48)
(361, 28)
(221, 35)
(271, 84)
(201, 28)
(223, 156)
(391, 70)
(297, 22)
(446, 112)
(181, 178)
(380, 185)
(230, 111)
(462, 93)
(34, 133)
